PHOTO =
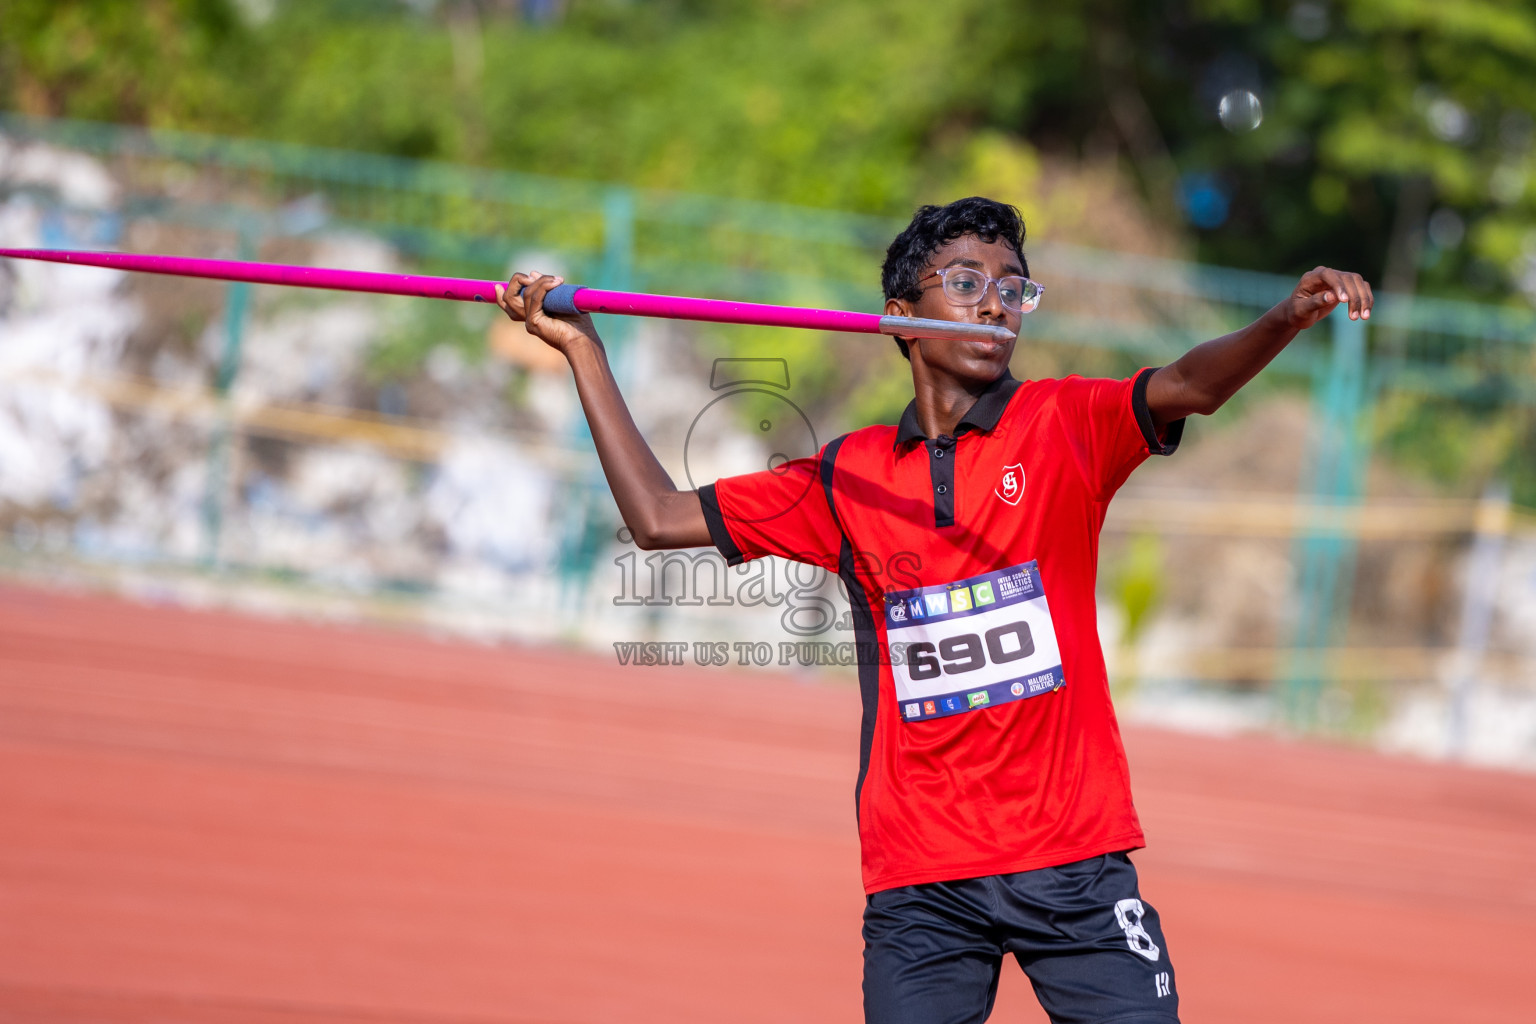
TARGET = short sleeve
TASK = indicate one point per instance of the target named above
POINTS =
(1110, 429)
(781, 511)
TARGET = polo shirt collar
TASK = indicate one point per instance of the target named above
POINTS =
(983, 414)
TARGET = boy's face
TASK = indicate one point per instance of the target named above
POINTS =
(965, 360)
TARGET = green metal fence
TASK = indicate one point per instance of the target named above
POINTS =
(1120, 310)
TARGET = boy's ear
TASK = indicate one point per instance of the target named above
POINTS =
(898, 307)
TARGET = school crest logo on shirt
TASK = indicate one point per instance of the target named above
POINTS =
(1011, 487)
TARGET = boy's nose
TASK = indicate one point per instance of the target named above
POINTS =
(991, 303)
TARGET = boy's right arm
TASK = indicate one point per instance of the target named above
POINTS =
(656, 512)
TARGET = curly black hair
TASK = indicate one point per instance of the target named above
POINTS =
(936, 226)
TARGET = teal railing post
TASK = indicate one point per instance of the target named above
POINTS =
(237, 298)
(1324, 551)
(618, 267)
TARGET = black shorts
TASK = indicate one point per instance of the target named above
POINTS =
(1093, 951)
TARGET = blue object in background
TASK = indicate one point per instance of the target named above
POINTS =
(54, 230)
(1204, 201)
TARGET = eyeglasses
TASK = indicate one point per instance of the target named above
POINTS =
(965, 287)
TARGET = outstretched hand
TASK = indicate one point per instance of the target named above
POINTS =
(523, 299)
(1320, 290)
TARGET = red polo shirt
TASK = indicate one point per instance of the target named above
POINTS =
(989, 742)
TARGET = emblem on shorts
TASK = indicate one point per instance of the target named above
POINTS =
(1129, 914)
(1011, 487)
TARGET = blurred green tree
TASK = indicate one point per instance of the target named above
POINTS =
(157, 61)
(1392, 136)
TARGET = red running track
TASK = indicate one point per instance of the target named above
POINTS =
(209, 818)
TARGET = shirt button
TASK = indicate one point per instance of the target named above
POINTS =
(938, 453)
(943, 489)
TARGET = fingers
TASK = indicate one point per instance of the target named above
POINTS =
(1360, 297)
(1338, 284)
(1310, 309)
(523, 296)
(510, 296)
(533, 298)
(1340, 287)
(1368, 297)
(1351, 291)
(1321, 302)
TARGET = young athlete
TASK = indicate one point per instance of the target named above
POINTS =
(993, 803)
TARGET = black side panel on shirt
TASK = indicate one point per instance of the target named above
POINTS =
(716, 523)
(828, 463)
(1175, 431)
(867, 645)
(865, 639)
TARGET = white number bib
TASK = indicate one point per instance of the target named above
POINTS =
(973, 643)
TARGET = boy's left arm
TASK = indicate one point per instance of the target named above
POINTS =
(1203, 378)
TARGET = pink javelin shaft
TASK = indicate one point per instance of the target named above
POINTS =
(567, 300)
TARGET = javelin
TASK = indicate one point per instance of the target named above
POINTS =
(568, 300)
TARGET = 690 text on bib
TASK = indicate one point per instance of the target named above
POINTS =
(973, 643)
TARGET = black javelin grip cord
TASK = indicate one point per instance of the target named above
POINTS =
(567, 300)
